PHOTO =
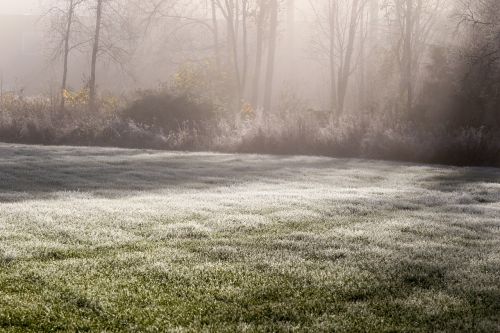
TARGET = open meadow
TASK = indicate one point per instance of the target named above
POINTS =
(99, 239)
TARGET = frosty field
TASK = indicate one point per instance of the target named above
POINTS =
(129, 240)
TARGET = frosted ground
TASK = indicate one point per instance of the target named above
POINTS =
(129, 240)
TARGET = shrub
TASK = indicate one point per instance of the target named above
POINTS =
(165, 121)
(168, 112)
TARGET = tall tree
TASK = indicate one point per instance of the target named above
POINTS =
(406, 80)
(338, 24)
(64, 32)
(215, 29)
(291, 40)
(332, 22)
(347, 59)
(271, 55)
(413, 21)
(245, 9)
(95, 51)
(67, 37)
(260, 21)
(372, 46)
(229, 10)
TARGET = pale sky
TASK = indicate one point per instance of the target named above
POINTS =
(33, 6)
(19, 6)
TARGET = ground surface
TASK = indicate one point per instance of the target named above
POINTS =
(124, 240)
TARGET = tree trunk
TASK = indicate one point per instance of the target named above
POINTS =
(66, 52)
(333, 72)
(258, 55)
(408, 54)
(233, 44)
(291, 39)
(215, 25)
(362, 63)
(245, 46)
(373, 38)
(345, 71)
(271, 56)
(95, 51)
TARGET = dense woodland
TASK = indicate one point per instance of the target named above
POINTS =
(412, 80)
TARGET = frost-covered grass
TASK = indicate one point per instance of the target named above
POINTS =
(127, 240)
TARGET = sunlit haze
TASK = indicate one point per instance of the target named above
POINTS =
(19, 6)
(250, 166)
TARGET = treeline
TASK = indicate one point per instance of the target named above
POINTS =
(412, 80)
(161, 120)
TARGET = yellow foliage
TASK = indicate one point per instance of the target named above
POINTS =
(205, 81)
(9, 99)
(247, 110)
(187, 77)
(110, 103)
(76, 98)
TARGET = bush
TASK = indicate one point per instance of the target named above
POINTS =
(168, 112)
(164, 121)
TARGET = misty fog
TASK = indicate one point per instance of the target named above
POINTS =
(399, 79)
(250, 166)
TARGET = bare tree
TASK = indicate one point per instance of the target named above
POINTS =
(332, 22)
(70, 16)
(65, 35)
(261, 11)
(215, 26)
(406, 72)
(291, 39)
(113, 37)
(95, 50)
(372, 44)
(413, 21)
(245, 9)
(229, 9)
(339, 27)
(346, 62)
(271, 55)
